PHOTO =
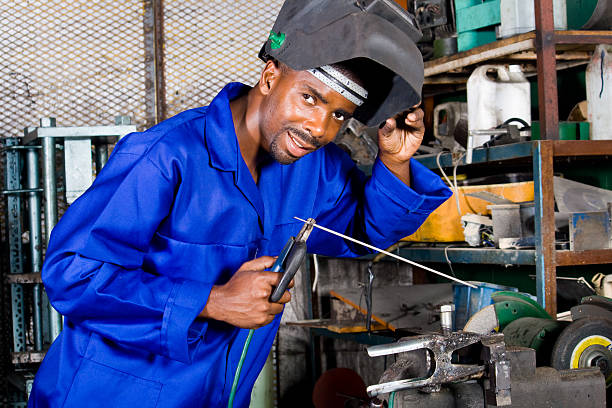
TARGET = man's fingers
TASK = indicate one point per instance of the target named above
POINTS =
(258, 264)
(387, 127)
(414, 117)
(286, 298)
(271, 278)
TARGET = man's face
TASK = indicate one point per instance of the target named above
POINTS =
(300, 115)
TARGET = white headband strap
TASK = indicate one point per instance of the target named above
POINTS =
(340, 83)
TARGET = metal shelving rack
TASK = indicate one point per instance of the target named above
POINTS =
(546, 47)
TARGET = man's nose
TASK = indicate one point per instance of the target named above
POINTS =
(317, 124)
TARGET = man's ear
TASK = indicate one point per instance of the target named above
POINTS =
(269, 76)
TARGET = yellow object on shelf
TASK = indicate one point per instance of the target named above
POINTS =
(444, 224)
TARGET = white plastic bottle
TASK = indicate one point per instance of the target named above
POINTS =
(494, 99)
(518, 16)
(599, 92)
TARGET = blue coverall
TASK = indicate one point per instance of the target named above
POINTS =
(175, 211)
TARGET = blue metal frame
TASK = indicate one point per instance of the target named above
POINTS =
(539, 214)
(13, 214)
(491, 256)
(482, 155)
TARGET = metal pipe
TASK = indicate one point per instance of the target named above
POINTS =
(32, 182)
(101, 156)
(49, 187)
(22, 190)
(446, 318)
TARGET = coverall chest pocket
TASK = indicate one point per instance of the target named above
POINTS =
(111, 387)
(213, 262)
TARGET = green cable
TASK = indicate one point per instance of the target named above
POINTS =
(391, 398)
(230, 403)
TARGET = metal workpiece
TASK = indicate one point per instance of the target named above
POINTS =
(442, 348)
(498, 387)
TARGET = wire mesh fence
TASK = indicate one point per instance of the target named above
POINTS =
(83, 62)
(207, 47)
(78, 61)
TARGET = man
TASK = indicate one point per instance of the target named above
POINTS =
(160, 267)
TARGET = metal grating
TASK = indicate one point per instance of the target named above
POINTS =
(210, 43)
(80, 61)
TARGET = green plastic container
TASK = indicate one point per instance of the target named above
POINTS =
(579, 12)
(476, 20)
(567, 130)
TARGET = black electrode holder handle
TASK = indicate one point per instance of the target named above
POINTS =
(288, 263)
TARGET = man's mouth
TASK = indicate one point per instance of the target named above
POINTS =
(297, 146)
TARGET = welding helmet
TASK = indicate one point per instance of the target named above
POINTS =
(313, 33)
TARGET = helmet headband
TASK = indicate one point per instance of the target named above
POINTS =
(340, 83)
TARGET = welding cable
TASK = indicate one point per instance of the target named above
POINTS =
(230, 403)
(315, 260)
(448, 260)
(454, 186)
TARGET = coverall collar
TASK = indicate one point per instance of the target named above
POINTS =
(222, 143)
(220, 134)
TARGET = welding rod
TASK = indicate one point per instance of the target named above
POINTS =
(390, 254)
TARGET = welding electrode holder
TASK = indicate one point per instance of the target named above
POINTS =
(290, 259)
(290, 265)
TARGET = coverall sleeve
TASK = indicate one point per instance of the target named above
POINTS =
(93, 271)
(380, 209)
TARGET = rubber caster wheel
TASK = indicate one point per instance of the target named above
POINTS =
(585, 343)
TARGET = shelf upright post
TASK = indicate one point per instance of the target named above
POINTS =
(547, 70)
(546, 274)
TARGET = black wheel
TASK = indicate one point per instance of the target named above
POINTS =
(585, 343)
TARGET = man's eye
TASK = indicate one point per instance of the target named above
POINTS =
(308, 98)
(339, 116)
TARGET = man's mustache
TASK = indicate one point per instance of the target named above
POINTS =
(304, 136)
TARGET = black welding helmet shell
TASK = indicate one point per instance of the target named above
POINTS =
(312, 33)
